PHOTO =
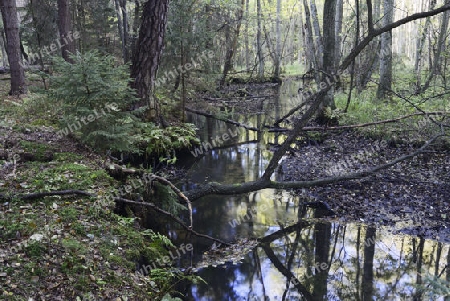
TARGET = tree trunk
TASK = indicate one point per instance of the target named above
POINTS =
(276, 72)
(136, 23)
(440, 47)
(259, 40)
(120, 27)
(11, 25)
(64, 26)
(122, 24)
(302, 58)
(3, 46)
(233, 45)
(420, 43)
(386, 52)
(316, 25)
(329, 61)
(370, 60)
(126, 29)
(311, 54)
(339, 18)
(352, 72)
(246, 34)
(148, 53)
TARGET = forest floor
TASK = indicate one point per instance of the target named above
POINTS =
(412, 197)
(64, 247)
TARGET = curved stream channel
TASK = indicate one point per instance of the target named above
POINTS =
(324, 259)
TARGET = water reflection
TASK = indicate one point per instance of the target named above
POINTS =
(307, 261)
(330, 261)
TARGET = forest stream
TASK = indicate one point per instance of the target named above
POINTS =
(387, 240)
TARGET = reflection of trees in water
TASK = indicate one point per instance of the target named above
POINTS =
(375, 271)
(369, 253)
(221, 285)
(318, 260)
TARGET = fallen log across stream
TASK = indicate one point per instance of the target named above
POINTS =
(247, 127)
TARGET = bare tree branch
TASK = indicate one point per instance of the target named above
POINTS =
(39, 195)
(376, 32)
(172, 217)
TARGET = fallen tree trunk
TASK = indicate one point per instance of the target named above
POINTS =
(247, 127)
(263, 182)
(40, 195)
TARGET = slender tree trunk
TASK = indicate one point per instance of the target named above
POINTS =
(420, 43)
(339, 18)
(370, 61)
(64, 26)
(259, 40)
(3, 46)
(136, 19)
(126, 29)
(386, 52)
(439, 48)
(352, 72)
(302, 42)
(122, 24)
(11, 25)
(329, 60)
(120, 27)
(278, 42)
(246, 35)
(233, 45)
(316, 25)
(311, 53)
(148, 53)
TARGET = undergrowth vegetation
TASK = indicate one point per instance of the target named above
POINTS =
(366, 108)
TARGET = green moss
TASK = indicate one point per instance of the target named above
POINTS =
(79, 229)
(42, 152)
(68, 157)
(63, 176)
(15, 225)
(35, 249)
(72, 245)
(68, 214)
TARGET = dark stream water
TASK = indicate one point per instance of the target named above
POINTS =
(311, 260)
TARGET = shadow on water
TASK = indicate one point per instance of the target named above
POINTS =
(311, 260)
